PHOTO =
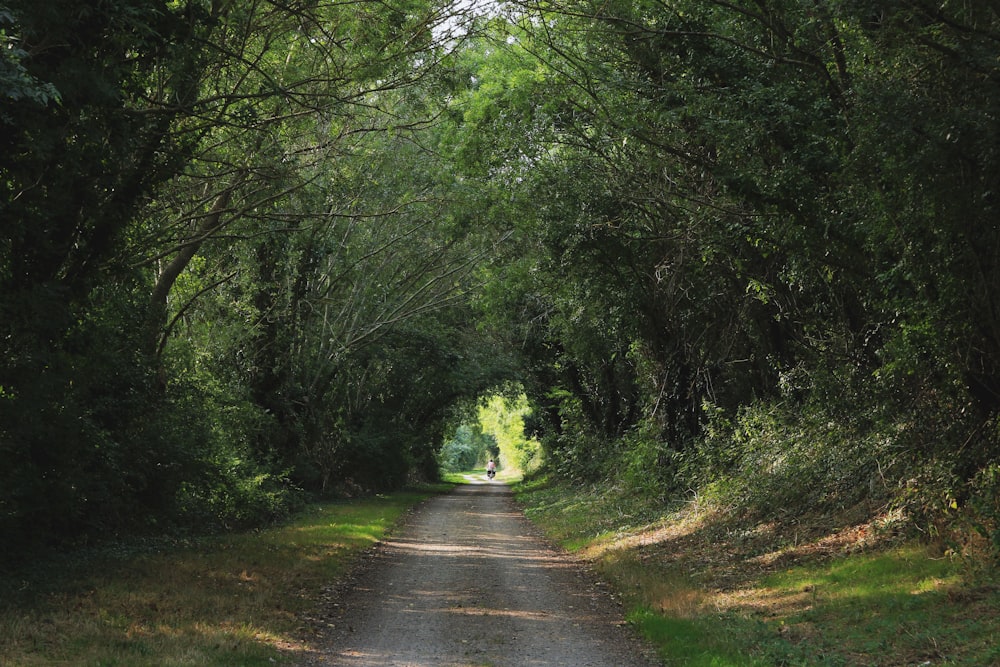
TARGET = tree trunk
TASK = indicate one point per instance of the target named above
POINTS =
(156, 331)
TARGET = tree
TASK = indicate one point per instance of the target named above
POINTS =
(82, 148)
(157, 157)
(362, 233)
(729, 203)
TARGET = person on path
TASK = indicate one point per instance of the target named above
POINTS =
(491, 468)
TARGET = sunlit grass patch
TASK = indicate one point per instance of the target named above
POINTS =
(231, 600)
(709, 592)
(898, 607)
(910, 570)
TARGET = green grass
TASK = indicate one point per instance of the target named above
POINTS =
(703, 595)
(233, 600)
(478, 475)
(896, 607)
(711, 593)
(695, 642)
(586, 517)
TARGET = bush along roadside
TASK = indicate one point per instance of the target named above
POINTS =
(836, 590)
(245, 599)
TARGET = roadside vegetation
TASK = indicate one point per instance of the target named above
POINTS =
(249, 598)
(711, 589)
(734, 255)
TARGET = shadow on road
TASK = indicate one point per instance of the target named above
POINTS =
(468, 582)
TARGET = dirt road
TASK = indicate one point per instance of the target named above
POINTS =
(467, 582)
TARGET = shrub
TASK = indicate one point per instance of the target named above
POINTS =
(777, 459)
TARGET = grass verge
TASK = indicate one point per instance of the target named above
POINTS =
(478, 476)
(242, 599)
(826, 591)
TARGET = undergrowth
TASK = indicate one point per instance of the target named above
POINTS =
(710, 588)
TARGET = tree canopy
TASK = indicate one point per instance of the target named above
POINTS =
(257, 249)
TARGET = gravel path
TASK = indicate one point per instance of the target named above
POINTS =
(467, 582)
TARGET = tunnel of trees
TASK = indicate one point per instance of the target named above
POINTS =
(258, 250)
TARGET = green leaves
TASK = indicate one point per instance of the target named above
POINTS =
(257, 182)
(655, 207)
(709, 198)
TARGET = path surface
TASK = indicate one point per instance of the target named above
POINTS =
(467, 582)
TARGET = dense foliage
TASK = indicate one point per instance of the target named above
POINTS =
(257, 248)
(757, 243)
(234, 266)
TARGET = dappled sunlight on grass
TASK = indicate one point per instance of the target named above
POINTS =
(709, 590)
(679, 526)
(905, 571)
(648, 586)
(238, 599)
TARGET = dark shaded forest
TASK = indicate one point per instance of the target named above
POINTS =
(257, 251)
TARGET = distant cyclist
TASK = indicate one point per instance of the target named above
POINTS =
(491, 469)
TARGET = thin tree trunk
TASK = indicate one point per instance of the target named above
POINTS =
(157, 317)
